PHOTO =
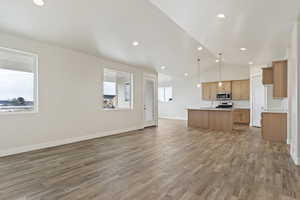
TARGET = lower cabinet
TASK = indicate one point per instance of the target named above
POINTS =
(198, 118)
(274, 127)
(241, 116)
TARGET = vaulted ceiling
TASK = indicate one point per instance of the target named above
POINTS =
(261, 26)
(169, 31)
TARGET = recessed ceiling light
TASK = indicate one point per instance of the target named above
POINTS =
(243, 49)
(186, 74)
(200, 48)
(135, 43)
(221, 16)
(39, 2)
(163, 67)
(217, 60)
(250, 63)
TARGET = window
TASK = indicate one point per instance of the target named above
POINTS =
(17, 81)
(165, 94)
(117, 89)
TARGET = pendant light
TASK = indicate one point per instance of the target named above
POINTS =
(220, 84)
(199, 73)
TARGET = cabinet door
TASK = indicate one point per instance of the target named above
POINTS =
(225, 88)
(213, 91)
(236, 117)
(274, 127)
(241, 116)
(268, 75)
(244, 90)
(280, 79)
(236, 90)
(206, 91)
(245, 116)
(241, 90)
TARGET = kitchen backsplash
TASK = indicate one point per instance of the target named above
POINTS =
(274, 104)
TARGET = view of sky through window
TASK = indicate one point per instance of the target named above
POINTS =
(14, 84)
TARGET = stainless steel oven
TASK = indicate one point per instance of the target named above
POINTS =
(224, 96)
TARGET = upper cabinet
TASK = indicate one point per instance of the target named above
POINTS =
(267, 75)
(206, 91)
(213, 91)
(280, 79)
(241, 90)
(225, 88)
(209, 91)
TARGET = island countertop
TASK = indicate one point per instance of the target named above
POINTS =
(212, 109)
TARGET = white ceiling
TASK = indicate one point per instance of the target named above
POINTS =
(262, 26)
(107, 28)
(170, 38)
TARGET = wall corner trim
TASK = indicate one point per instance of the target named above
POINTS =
(29, 148)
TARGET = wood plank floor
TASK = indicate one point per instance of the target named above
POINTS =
(171, 162)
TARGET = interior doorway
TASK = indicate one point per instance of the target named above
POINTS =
(258, 100)
(150, 101)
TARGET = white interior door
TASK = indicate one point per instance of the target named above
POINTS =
(257, 100)
(150, 101)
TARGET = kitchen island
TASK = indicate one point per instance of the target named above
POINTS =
(220, 119)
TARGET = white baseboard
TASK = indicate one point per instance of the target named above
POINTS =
(23, 149)
(175, 118)
(295, 159)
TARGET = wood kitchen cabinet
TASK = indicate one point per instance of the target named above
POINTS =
(280, 79)
(213, 91)
(241, 90)
(206, 91)
(241, 116)
(209, 91)
(267, 75)
(274, 127)
(212, 119)
(225, 88)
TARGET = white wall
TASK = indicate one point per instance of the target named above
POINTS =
(186, 94)
(293, 92)
(70, 99)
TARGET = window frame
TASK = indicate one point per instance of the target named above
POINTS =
(131, 90)
(35, 109)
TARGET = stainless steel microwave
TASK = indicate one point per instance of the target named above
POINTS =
(224, 96)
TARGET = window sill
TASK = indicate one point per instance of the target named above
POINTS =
(19, 113)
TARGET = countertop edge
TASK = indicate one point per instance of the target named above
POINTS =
(211, 109)
(275, 111)
(218, 109)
